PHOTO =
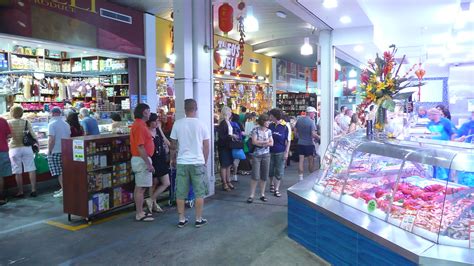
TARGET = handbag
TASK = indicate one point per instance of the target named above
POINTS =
(238, 154)
(236, 144)
(41, 163)
(28, 139)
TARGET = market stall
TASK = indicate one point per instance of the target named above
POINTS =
(379, 201)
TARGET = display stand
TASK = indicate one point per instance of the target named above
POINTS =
(97, 176)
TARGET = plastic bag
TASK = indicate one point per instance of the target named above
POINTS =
(238, 154)
(41, 163)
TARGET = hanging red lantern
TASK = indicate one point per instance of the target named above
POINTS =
(314, 74)
(226, 18)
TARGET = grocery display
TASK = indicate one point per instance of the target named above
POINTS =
(396, 181)
(295, 103)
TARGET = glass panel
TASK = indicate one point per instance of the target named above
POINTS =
(370, 182)
(458, 211)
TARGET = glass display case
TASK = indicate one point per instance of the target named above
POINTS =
(425, 187)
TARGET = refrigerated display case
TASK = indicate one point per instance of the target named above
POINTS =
(423, 188)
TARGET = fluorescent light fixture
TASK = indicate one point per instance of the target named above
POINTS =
(345, 20)
(358, 48)
(352, 73)
(38, 45)
(172, 58)
(14, 42)
(330, 3)
(250, 22)
(306, 48)
(84, 52)
(281, 14)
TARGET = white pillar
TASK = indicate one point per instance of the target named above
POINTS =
(150, 54)
(193, 68)
(326, 78)
(274, 82)
(183, 49)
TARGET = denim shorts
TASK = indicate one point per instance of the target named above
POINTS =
(5, 166)
(191, 174)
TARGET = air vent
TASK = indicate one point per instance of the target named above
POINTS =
(115, 16)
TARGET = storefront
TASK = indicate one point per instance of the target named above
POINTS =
(70, 55)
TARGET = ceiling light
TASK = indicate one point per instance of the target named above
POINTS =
(306, 48)
(250, 22)
(358, 48)
(172, 58)
(281, 14)
(345, 20)
(14, 42)
(330, 3)
(38, 45)
(85, 52)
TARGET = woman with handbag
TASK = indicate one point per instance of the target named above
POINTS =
(226, 141)
(21, 146)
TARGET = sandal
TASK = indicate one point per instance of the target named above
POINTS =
(230, 185)
(145, 218)
(149, 205)
(262, 198)
(272, 189)
(156, 207)
(250, 200)
(277, 193)
(225, 187)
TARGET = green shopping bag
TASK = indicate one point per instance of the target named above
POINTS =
(41, 163)
(246, 146)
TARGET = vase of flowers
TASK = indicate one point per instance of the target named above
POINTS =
(380, 82)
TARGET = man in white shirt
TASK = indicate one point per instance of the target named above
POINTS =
(190, 139)
(58, 129)
(346, 120)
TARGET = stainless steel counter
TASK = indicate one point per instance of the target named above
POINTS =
(404, 243)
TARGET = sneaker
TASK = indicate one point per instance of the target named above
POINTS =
(58, 191)
(182, 224)
(201, 223)
(59, 194)
(301, 178)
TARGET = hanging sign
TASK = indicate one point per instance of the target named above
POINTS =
(231, 61)
(408, 220)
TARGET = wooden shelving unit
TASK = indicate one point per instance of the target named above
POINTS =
(100, 183)
(295, 103)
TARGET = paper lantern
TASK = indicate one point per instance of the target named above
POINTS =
(314, 74)
(226, 18)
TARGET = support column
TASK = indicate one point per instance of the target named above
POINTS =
(183, 49)
(150, 65)
(193, 68)
(326, 78)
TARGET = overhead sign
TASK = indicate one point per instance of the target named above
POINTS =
(231, 61)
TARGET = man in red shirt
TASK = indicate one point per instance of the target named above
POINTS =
(5, 166)
(142, 148)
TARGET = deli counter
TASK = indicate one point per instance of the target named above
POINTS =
(392, 202)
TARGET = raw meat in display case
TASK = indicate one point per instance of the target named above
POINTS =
(395, 181)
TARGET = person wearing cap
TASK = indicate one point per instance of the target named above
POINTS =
(442, 127)
(58, 129)
(306, 131)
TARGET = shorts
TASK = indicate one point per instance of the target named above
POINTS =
(225, 157)
(194, 174)
(5, 165)
(22, 158)
(260, 167)
(277, 165)
(55, 163)
(161, 166)
(306, 150)
(143, 178)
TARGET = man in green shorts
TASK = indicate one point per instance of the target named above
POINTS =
(190, 138)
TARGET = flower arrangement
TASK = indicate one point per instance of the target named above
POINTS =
(380, 83)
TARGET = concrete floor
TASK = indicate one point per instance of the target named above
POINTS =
(238, 233)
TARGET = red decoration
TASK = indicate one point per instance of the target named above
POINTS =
(226, 18)
(336, 75)
(420, 72)
(314, 74)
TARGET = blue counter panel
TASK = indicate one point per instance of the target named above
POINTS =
(333, 241)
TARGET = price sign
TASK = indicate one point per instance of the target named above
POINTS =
(408, 220)
(78, 150)
(471, 234)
